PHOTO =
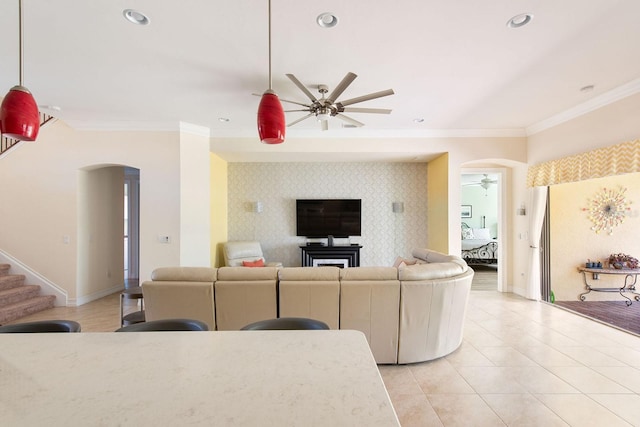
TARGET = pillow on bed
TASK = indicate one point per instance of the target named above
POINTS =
(467, 233)
(481, 233)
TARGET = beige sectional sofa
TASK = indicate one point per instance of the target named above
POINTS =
(409, 314)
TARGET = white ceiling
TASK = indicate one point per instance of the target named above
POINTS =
(455, 64)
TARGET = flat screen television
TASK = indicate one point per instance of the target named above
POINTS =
(328, 217)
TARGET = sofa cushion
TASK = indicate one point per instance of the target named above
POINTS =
(368, 273)
(310, 273)
(179, 299)
(184, 274)
(247, 274)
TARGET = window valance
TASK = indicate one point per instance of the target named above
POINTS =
(617, 159)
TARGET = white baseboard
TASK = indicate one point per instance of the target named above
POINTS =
(47, 287)
(73, 302)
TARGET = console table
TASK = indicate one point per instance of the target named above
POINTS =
(629, 284)
(339, 255)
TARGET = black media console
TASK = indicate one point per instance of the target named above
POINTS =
(317, 255)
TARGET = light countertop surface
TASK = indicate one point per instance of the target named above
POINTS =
(231, 378)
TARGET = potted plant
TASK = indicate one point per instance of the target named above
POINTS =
(621, 260)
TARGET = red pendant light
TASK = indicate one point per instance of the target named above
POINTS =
(271, 123)
(19, 117)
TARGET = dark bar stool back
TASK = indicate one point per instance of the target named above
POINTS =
(166, 325)
(286, 323)
(42, 326)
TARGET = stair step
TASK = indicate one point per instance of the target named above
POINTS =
(10, 281)
(17, 294)
(24, 308)
(4, 269)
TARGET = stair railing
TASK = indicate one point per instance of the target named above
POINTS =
(7, 143)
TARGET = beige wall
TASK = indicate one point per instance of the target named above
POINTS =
(573, 242)
(219, 218)
(41, 201)
(100, 232)
(609, 125)
(195, 205)
(438, 221)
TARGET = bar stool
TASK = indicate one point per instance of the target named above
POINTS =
(134, 292)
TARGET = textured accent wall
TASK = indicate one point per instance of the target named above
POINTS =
(385, 234)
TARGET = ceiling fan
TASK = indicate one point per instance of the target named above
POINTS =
(485, 183)
(328, 106)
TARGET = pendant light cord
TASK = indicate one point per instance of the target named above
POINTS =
(20, 42)
(270, 80)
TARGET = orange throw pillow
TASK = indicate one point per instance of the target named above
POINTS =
(256, 263)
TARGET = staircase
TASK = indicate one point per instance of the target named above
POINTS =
(17, 299)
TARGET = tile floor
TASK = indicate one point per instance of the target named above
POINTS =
(522, 363)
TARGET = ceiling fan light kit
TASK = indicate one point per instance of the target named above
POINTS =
(271, 123)
(19, 116)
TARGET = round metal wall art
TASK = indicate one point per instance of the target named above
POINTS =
(608, 209)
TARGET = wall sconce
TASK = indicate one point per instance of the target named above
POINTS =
(257, 207)
(397, 207)
(521, 211)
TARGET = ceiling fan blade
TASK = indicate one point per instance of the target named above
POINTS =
(366, 110)
(324, 124)
(295, 102)
(299, 120)
(346, 81)
(366, 97)
(295, 111)
(349, 120)
(302, 87)
(285, 100)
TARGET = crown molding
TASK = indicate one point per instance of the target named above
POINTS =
(159, 126)
(382, 133)
(123, 125)
(593, 104)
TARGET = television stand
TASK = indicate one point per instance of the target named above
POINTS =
(315, 255)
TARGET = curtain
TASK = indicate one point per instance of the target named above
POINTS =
(537, 205)
(608, 161)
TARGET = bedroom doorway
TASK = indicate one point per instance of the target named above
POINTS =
(482, 198)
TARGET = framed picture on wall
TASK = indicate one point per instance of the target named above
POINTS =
(466, 211)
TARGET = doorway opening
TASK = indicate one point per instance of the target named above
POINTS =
(482, 198)
(131, 226)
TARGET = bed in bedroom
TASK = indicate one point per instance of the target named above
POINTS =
(477, 246)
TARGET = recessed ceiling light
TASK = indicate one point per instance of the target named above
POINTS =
(136, 17)
(587, 88)
(223, 119)
(51, 107)
(418, 120)
(519, 20)
(327, 20)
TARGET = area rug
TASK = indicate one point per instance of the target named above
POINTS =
(615, 313)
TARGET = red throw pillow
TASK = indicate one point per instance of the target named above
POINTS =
(256, 263)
